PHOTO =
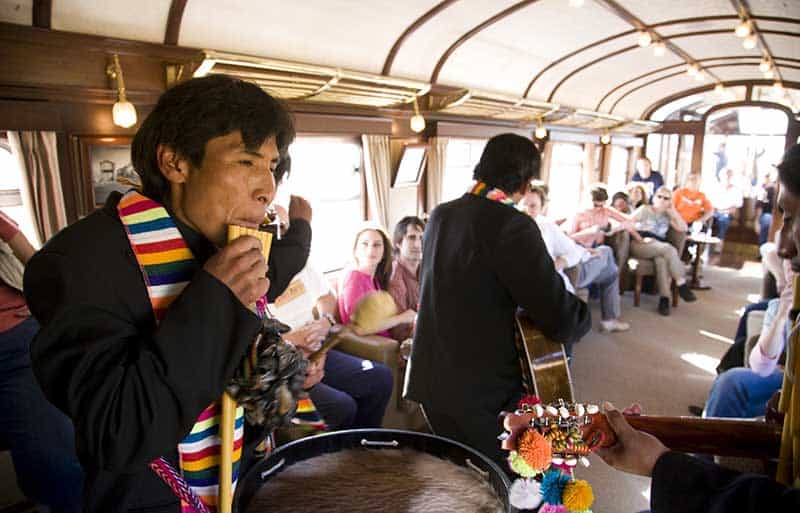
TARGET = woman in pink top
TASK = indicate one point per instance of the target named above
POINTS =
(372, 268)
(590, 227)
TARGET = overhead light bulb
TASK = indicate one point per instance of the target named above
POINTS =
(605, 138)
(659, 49)
(644, 39)
(692, 70)
(541, 131)
(417, 123)
(700, 76)
(576, 3)
(124, 114)
(743, 28)
(750, 42)
(719, 89)
(777, 87)
(764, 65)
(769, 74)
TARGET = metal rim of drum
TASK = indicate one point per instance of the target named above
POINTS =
(305, 448)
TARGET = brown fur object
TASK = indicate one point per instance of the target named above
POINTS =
(376, 480)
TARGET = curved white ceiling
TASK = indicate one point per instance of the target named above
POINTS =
(503, 57)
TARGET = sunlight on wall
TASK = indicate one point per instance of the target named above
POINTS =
(702, 362)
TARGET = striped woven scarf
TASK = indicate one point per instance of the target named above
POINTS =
(494, 194)
(167, 266)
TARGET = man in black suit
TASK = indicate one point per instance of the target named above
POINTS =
(133, 387)
(482, 260)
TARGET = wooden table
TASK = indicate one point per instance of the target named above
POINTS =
(701, 239)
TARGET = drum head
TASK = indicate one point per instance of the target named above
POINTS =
(289, 454)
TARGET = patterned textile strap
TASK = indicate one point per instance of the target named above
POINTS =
(484, 191)
(167, 266)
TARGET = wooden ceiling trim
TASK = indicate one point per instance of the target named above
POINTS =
(42, 13)
(634, 47)
(743, 8)
(679, 21)
(651, 82)
(441, 6)
(666, 68)
(463, 39)
(708, 87)
(174, 19)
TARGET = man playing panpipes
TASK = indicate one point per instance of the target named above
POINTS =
(145, 310)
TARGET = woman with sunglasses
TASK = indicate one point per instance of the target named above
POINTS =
(652, 223)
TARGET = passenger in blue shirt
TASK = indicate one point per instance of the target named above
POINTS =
(652, 180)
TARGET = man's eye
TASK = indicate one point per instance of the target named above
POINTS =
(248, 163)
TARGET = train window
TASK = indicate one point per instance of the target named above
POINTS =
(618, 169)
(692, 107)
(460, 159)
(566, 179)
(11, 197)
(327, 172)
(787, 97)
(671, 155)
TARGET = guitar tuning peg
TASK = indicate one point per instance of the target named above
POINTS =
(591, 409)
(579, 410)
(585, 461)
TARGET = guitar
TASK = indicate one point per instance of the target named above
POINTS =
(546, 374)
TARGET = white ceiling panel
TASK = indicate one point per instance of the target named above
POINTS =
(420, 52)
(730, 73)
(783, 46)
(613, 97)
(682, 28)
(778, 25)
(515, 49)
(144, 20)
(19, 12)
(345, 33)
(635, 103)
(790, 75)
(655, 11)
(782, 8)
(587, 87)
(715, 45)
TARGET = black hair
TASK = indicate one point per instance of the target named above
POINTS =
(539, 190)
(618, 195)
(789, 169)
(283, 168)
(599, 193)
(402, 227)
(190, 114)
(508, 162)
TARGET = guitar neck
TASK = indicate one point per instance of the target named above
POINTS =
(723, 437)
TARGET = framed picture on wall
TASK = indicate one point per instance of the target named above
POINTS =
(412, 163)
(106, 167)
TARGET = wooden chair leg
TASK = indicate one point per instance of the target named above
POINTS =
(637, 290)
(674, 294)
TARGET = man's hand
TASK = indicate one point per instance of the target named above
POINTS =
(314, 333)
(635, 452)
(315, 372)
(560, 262)
(241, 267)
(299, 208)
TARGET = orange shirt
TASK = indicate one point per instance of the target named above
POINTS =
(691, 205)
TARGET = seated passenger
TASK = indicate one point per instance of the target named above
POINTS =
(652, 224)
(637, 194)
(349, 392)
(727, 199)
(652, 180)
(595, 266)
(371, 270)
(691, 204)
(621, 202)
(590, 227)
(404, 282)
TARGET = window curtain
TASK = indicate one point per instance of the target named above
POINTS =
(434, 176)
(379, 176)
(41, 184)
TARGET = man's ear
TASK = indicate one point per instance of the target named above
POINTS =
(174, 167)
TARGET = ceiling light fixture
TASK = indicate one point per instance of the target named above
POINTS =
(123, 113)
(750, 42)
(659, 49)
(700, 76)
(743, 28)
(605, 138)
(576, 3)
(417, 121)
(769, 74)
(541, 131)
(765, 65)
(644, 38)
(692, 69)
(719, 89)
(777, 87)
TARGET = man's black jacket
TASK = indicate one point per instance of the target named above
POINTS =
(134, 390)
(481, 261)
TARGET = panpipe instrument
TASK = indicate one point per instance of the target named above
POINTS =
(225, 498)
(546, 375)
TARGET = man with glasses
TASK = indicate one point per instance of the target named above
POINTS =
(652, 224)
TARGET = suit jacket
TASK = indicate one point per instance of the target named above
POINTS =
(481, 261)
(134, 389)
(683, 484)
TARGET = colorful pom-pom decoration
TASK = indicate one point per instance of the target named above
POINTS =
(552, 508)
(517, 464)
(524, 494)
(577, 496)
(553, 484)
(535, 449)
(528, 400)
